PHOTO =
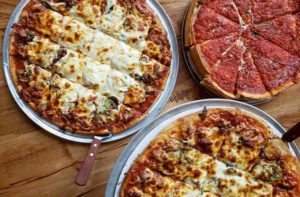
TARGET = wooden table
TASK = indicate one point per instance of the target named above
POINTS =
(35, 163)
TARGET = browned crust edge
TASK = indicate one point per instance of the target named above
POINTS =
(117, 128)
(249, 95)
(215, 88)
(284, 86)
(292, 162)
(199, 60)
(189, 21)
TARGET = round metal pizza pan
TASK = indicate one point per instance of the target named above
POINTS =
(147, 134)
(196, 75)
(51, 128)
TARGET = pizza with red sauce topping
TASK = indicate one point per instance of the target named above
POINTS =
(218, 152)
(268, 35)
(90, 67)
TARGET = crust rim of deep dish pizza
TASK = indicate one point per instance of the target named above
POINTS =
(193, 156)
(56, 67)
(207, 27)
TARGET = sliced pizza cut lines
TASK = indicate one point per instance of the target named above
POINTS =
(249, 82)
(279, 26)
(277, 167)
(85, 71)
(278, 68)
(211, 51)
(130, 22)
(142, 181)
(223, 75)
(220, 133)
(267, 10)
(226, 8)
(121, 21)
(78, 37)
(282, 31)
(180, 162)
(206, 24)
(71, 105)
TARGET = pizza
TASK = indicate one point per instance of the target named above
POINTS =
(90, 67)
(217, 152)
(244, 49)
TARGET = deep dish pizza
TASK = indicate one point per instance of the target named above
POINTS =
(245, 49)
(218, 152)
(90, 66)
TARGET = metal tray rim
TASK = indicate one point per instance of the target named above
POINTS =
(121, 162)
(51, 128)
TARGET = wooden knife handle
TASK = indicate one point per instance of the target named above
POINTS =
(292, 134)
(86, 168)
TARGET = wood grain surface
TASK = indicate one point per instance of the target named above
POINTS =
(35, 163)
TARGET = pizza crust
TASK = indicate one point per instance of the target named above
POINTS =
(176, 154)
(199, 60)
(116, 127)
(281, 88)
(204, 69)
(258, 96)
(189, 21)
(215, 88)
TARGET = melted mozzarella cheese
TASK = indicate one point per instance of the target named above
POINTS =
(48, 23)
(85, 103)
(102, 48)
(95, 75)
(126, 59)
(134, 32)
(118, 84)
(76, 36)
(41, 52)
(237, 154)
(65, 92)
(111, 21)
(69, 67)
(86, 11)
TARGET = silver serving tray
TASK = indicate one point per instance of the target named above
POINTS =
(51, 128)
(141, 141)
(196, 75)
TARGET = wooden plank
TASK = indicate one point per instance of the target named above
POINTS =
(35, 163)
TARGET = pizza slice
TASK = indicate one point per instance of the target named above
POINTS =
(127, 21)
(243, 144)
(245, 10)
(278, 167)
(282, 32)
(208, 53)
(98, 46)
(223, 77)
(141, 181)
(63, 30)
(224, 7)
(172, 158)
(70, 105)
(206, 25)
(270, 9)
(205, 131)
(249, 82)
(33, 85)
(278, 68)
(86, 71)
(158, 46)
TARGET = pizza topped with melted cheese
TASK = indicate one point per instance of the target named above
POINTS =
(244, 49)
(92, 67)
(218, 152)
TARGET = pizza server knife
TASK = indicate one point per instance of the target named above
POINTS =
(86, 168)
(292, 134)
